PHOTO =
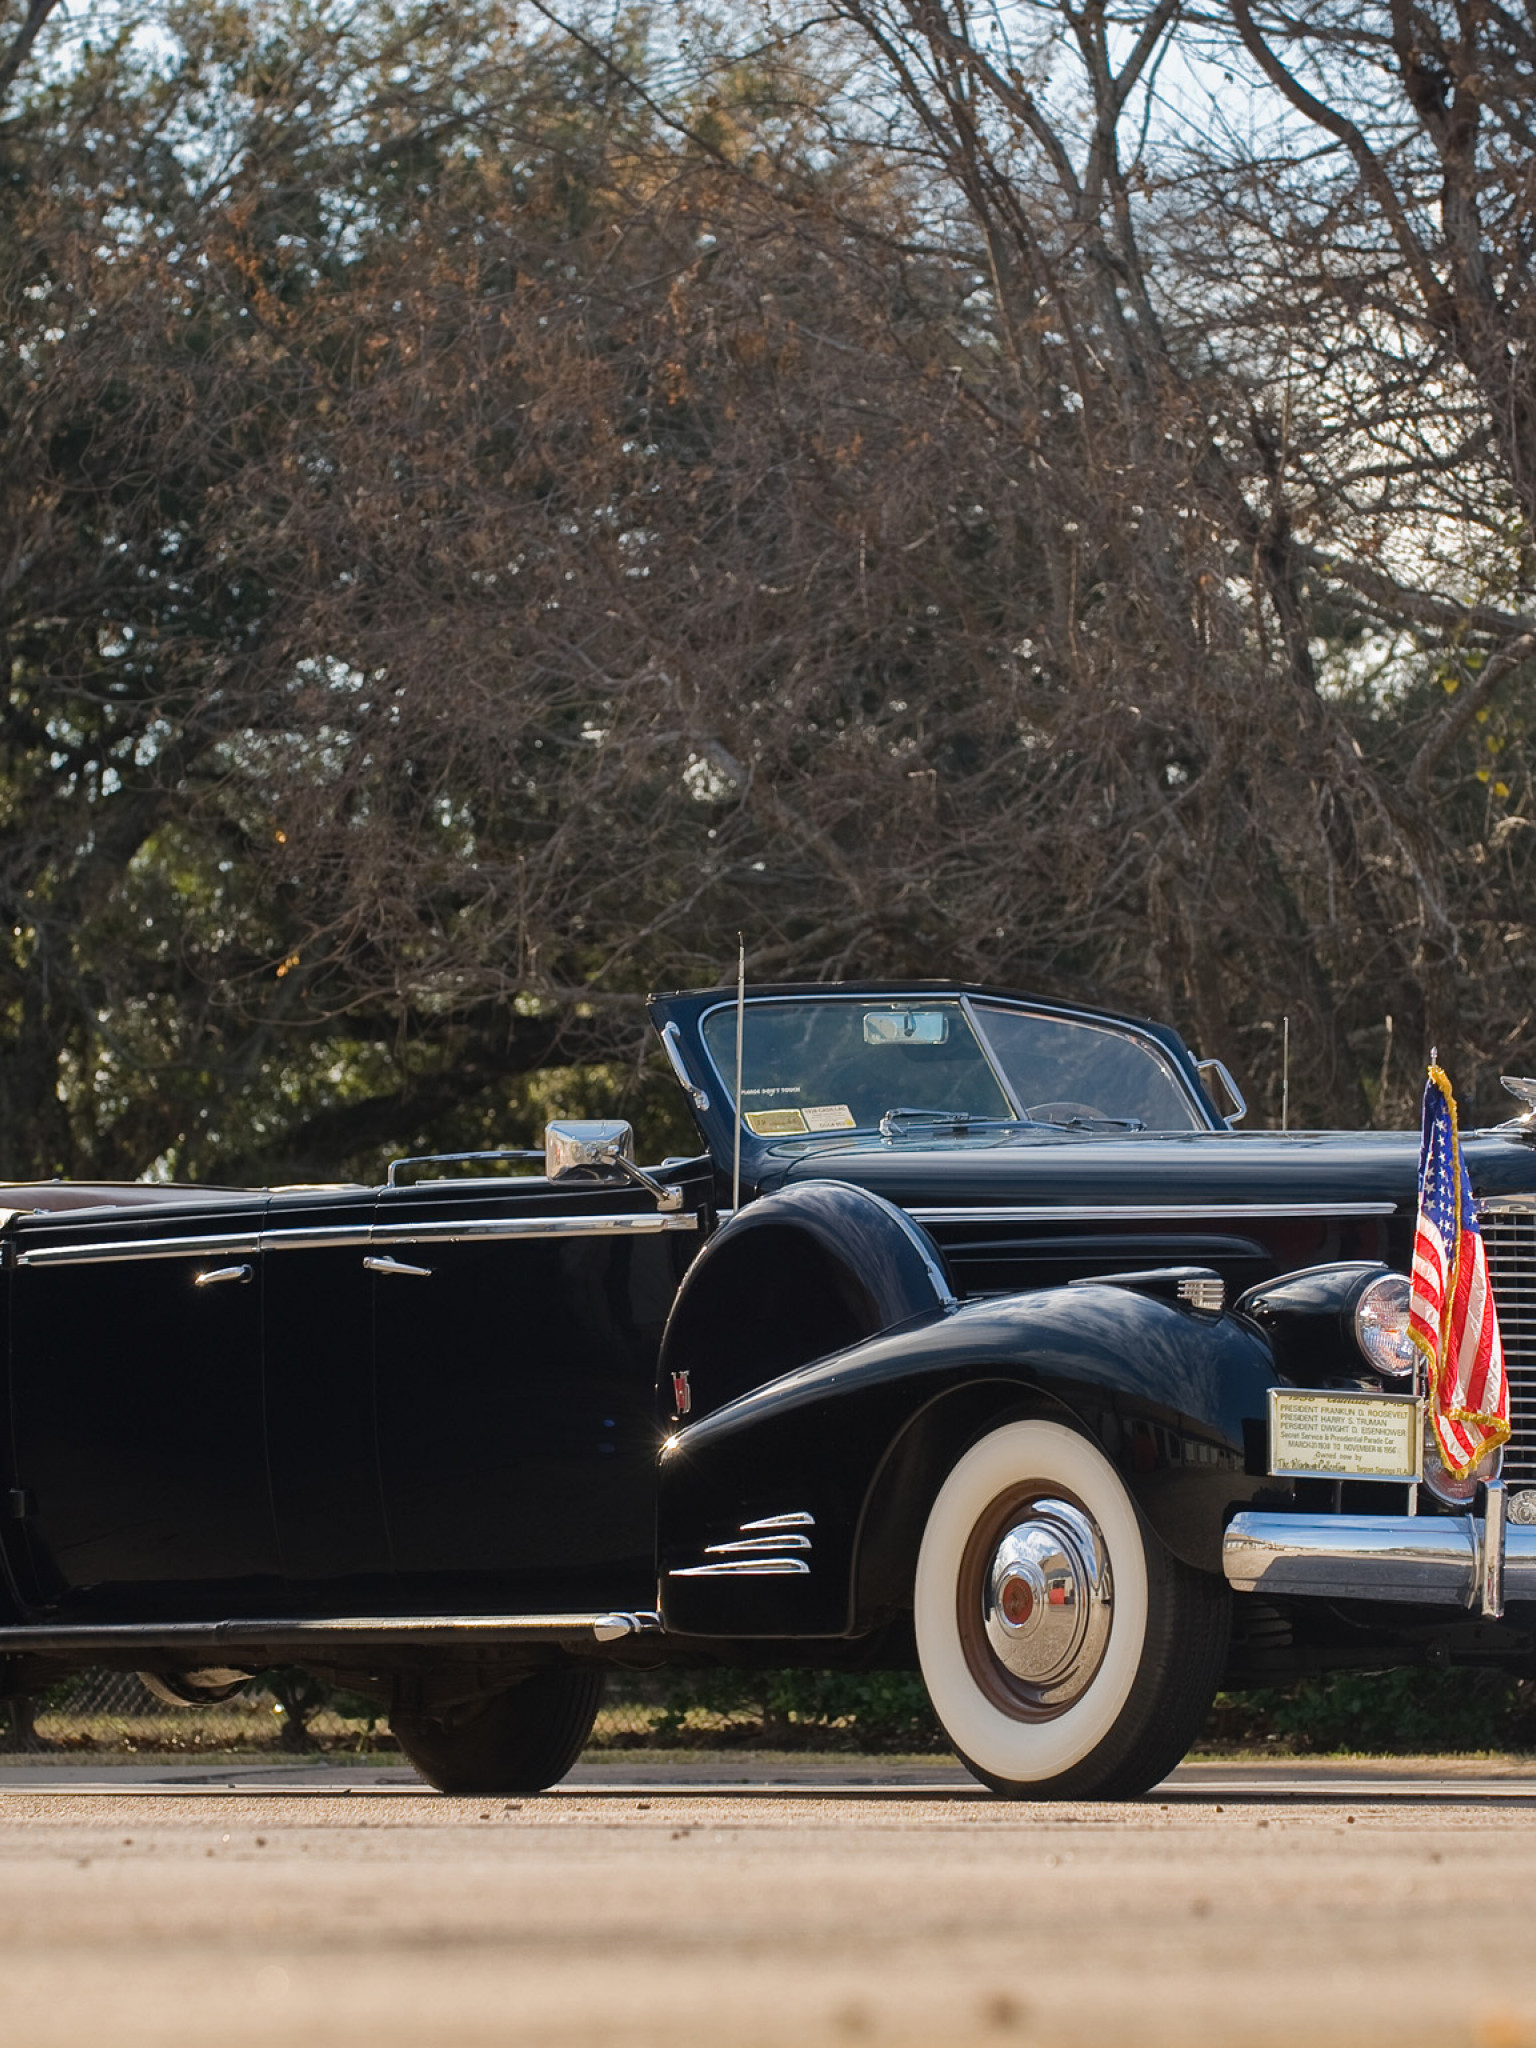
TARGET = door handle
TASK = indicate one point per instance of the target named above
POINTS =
(214, 1276)
(398, 1266)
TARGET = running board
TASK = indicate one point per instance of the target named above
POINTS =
(360, 1632)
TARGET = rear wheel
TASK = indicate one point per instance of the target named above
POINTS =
(516, 1741)
(1066, 1652)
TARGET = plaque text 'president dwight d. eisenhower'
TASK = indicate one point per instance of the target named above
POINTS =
(1344, 1436)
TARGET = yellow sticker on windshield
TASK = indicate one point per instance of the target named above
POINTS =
(775, 1123)
(830, 1116)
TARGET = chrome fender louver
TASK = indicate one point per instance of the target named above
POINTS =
(776, 1546)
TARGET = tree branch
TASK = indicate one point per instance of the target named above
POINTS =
(1468, 706)
(31, 28)
(1438, 302)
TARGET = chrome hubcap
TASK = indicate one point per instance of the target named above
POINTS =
(1047, 1602)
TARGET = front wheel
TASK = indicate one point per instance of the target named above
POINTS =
(515, 1741)
(1066, 1652)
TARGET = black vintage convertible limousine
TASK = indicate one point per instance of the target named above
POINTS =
(977, 1338)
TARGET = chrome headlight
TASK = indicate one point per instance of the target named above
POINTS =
(1381, 1327)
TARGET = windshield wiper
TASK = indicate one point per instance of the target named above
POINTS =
(895, 1122)
(1095, 1123)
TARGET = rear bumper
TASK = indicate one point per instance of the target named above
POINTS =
(1432, 1560)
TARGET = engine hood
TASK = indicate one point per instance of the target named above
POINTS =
(1227, 1169)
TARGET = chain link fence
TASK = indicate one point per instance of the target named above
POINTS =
(115, 1711)
(287, 1712)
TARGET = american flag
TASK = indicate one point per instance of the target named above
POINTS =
(1452, 1318)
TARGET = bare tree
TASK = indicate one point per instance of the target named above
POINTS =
(1157, 307)
(495, 508)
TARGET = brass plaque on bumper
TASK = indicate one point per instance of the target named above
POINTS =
(1345, 1435)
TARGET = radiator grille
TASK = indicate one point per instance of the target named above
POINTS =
(1509, 1236)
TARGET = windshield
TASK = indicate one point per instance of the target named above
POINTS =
(1064, 1071)
(811, 1066)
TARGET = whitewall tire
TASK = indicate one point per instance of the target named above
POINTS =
(1065, 1651)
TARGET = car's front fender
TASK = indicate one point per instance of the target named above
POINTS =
(797, 1508)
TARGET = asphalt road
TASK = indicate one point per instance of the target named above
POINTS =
(634, 1907)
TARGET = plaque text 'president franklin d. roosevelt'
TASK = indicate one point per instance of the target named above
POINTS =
(1344, 1436)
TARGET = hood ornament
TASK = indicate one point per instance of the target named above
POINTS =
(1523, 1088)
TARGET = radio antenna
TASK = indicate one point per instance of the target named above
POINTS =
(741, 1018)
(1285, 1075)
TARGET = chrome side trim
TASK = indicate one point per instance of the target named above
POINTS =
(743, 1568)
(923, 1246)
(319, 1237)
(1117, 1212)
(361, 1630)
(1436, 1560)
(757, 1546)
(473, 1229)
(344, 1236)
(798, 1519)
(142, 1248)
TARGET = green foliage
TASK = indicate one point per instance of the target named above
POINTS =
(855, 1710)
(231, 254)
(1416, 1711)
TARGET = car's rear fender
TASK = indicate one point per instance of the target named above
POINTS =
(820, 1481)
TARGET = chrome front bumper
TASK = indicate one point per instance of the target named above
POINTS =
(1471, 1561)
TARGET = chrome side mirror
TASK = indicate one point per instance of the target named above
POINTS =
(568, 1147)
(571, 1148)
